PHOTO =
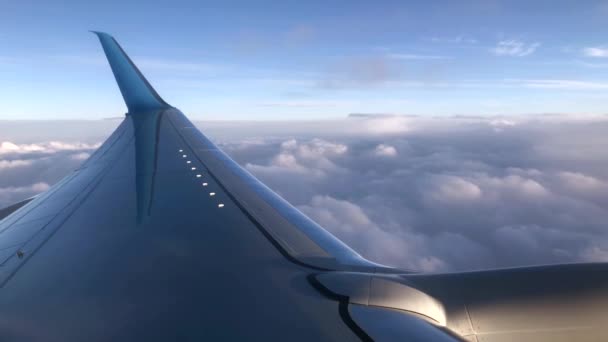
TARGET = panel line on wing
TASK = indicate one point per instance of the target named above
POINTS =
(58, 217)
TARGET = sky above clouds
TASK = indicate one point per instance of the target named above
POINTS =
(309, 59)
(433, 194)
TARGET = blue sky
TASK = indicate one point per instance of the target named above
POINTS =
(309, 59)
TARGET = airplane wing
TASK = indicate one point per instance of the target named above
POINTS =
(160, 236)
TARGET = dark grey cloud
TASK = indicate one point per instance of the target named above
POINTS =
(434, 194)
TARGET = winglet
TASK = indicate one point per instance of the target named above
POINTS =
(138, 94)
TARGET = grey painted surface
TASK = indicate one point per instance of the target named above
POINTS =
(394, 325)
(181, 269)
(544, 303)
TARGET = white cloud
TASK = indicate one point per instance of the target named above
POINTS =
(10, 164)
(454, 189)
(583, 186)
(351, 224)
(321, 148)
(28, 168)
(385, 150)
(310, 159)
(288, 161)
(80, 156)
(281, 164)
(55, 146)
(350, 215)
(7, 147)
(13, 194)
(462, 197)
(290, 144)
(581, 181)
(387, 125)
(501, 123)
(514, 48)
(600, 52)
(514, 185)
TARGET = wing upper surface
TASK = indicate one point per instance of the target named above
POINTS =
(133, 246)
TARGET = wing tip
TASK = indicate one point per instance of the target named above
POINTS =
(138, 94)
(101, 33)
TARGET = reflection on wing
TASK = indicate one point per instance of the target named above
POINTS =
(147, 134)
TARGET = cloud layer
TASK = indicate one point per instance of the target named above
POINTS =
(27, 169)
(453, 193)
(433, 194)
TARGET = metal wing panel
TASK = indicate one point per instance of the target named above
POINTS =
(294, 232)
(540, 303)
(144, 252)
(25, 230)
